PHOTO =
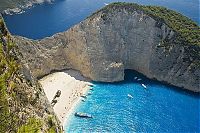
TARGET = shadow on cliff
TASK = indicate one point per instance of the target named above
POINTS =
(72, 72)
(130, 78)
(76, 74)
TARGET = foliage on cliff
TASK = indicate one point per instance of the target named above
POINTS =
(187, 31)
(19, 4)
(5, 4)
(8, 67)
(33, 126)
(21, 106)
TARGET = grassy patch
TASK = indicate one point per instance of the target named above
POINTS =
(8, 67)
(51, 124)
(33, 126)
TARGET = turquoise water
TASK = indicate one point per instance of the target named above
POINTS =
(48, 19)
(159, 108)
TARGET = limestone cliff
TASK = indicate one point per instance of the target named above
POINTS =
(119, 37)
(24, 106)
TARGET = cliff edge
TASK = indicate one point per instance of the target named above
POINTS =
(157, 42)
(24, 106)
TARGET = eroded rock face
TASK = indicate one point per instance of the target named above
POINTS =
(104, 45)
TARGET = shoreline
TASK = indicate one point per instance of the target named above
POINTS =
(22, 8)
(72, 108)
(72, 86)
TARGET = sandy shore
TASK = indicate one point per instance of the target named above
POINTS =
(71, 84)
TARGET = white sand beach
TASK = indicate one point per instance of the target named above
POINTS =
(71, 84)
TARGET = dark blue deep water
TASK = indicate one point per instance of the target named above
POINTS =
(159, 108)
(46, 20)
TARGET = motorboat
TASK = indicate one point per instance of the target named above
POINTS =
(144, 86)
(130, 96)
(83, 115)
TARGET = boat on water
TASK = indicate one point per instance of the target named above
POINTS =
(106, 4)
(83, 115)
(139, 79)
(135, 78)
(144, 86)
(130, 96)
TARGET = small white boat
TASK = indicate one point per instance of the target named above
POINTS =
(106, 4)
(135, 78)
(144, 86)
(129, 95)
(139, 79)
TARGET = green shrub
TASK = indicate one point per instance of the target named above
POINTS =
(51, 124)
(8, 67)
(33, 126)
(187, 30)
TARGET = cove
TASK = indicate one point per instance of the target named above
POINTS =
(47, 19)
(159, 108)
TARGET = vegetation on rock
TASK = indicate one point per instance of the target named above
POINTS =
(8, 67)
(187, 31)
(5, 4)
(22, 103)
(33, 126)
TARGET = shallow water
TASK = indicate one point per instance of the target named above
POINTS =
(48, 19)
(159, 108)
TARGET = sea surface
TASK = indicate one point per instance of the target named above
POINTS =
(47, 19)
(159, 108)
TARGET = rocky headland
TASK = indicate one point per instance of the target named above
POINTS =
(157, 42)
(121, 36)
(18, 6)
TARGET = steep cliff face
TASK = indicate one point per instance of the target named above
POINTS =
(24, 106)
(110, 41)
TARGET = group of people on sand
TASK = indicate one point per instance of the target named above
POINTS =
(76, 92)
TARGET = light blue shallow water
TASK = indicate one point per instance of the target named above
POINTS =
(159, 108)
(46, 20)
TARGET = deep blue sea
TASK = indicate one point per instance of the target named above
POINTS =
(46, 20)
(159, 108)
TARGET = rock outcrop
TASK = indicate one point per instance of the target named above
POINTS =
(108, 42)
(24, 106)
(18, 6)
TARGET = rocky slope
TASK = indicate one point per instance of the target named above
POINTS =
(17, 6)
(118, 37)
(23, 104)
